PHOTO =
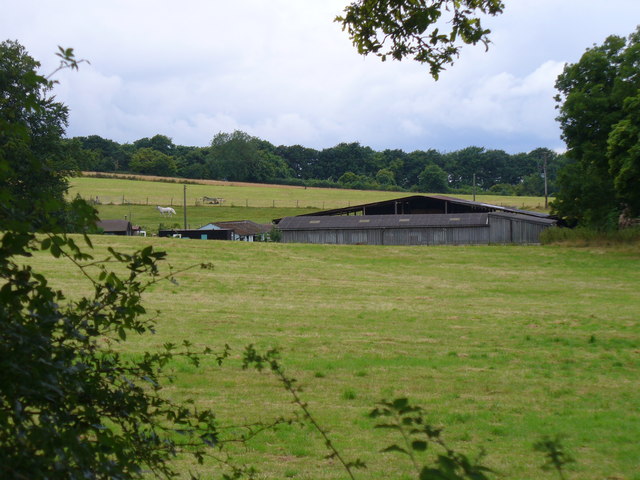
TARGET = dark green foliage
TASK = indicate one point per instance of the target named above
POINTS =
(346, 157)
(433, 179)
(240, 157)
(404, 28)
(31, 126)
(299, 159)
(159, 143)
(71, 407)
(357, 182)
(623, 151)
(108, 155)
(153, 162)
(598, 130)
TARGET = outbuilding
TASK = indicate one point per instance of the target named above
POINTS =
(242, 230)
(115, 227)
(197, 234)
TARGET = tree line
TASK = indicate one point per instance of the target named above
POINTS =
(238, 156)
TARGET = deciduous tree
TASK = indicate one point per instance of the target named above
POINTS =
(71, 407)
(624, 157)
(592, 97)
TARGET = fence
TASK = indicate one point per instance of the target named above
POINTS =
(220, 202)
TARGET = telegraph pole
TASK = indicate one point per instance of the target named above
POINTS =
(474, 187)
(546, 192)
(184, 203)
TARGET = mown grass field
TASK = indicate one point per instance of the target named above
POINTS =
(137, 200)
(500, 344)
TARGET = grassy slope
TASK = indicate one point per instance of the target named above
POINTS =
(259, 203)
(500, 344)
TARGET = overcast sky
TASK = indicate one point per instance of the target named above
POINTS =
(282, 70)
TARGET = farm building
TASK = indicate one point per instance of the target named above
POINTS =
(197, 234)
(417, 220)
(242, 230)
(115, 227)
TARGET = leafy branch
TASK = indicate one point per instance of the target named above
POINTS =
(413, 28)
(67, 60)
(260, 362)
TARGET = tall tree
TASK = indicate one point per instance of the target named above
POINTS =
(433, 180)
(414, 163)
(160, 143)
(301, 160)
(153, 162)
(624, 157)
(112, 155)
(592, 95)
(346, 157)
(71, 407)
(31, 127)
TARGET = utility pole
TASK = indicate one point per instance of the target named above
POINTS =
(474, 187)
(185, 206)
(546, 192)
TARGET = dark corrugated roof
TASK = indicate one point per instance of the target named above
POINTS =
(546, 220)
(352, 222)
(423, 204)
(244, 227)
(461, 201)
(114, 225)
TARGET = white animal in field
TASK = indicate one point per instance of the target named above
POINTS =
(166, 211)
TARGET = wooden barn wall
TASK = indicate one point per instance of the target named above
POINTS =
(436, 236)
(395, 236)
(510, 230)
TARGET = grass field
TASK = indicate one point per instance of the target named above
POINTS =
(137, 200)
(500, 344)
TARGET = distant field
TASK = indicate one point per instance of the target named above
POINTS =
(255, 202)
(500, 344)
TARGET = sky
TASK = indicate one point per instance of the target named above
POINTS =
(284, 71)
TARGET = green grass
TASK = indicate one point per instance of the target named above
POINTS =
(137, 199)
(501, 345)
(116, 191)
(584, 237)
(150, 220)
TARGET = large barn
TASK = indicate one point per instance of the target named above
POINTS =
(417, 220)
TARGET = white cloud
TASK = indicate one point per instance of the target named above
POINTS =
(284, 71)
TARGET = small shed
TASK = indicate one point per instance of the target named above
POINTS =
(197, 234)
(115, 227)
(242, 230)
